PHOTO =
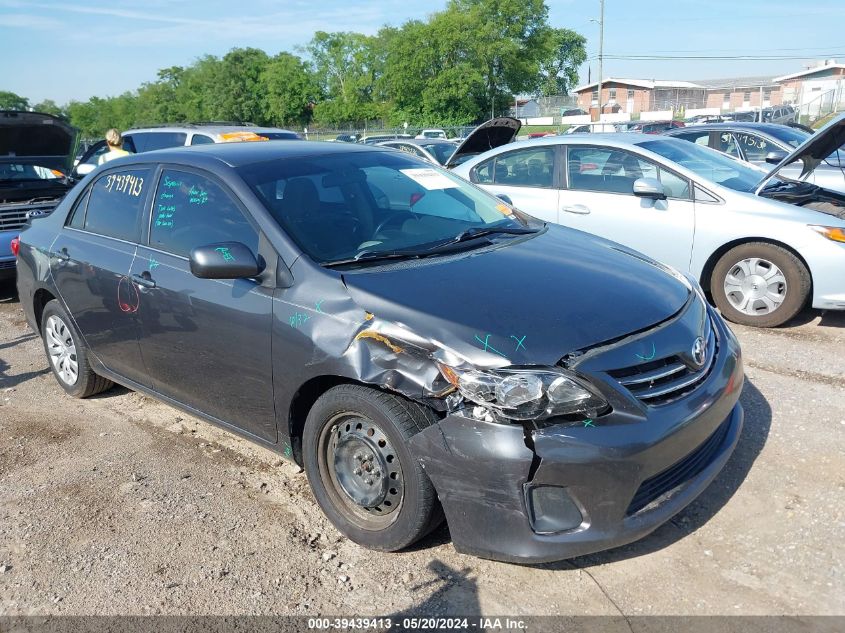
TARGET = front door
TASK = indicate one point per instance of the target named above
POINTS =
(92, 264)
(599, 199)
(206, 342)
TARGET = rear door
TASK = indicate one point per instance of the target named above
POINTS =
(529, 177)
(91, 264)
(599, 199)
(205, 342)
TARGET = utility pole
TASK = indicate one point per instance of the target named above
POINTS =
(601, 51)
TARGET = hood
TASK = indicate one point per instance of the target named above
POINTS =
(812, 151)
(34, 138)
(532, 302)
(488, 135)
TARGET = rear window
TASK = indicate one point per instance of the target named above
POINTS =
(116, 202)
(149, 141)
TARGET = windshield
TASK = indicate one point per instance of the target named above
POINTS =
(707, 163)
(16, 171)
(341, 206)
(440, 151)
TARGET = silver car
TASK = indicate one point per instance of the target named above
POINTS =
(766, 144)
(761, 246)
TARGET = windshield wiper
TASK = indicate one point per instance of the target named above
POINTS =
(370, 256)
(479, 231)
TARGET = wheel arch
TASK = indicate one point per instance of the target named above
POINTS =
(305, 397)
(710, 264)
(40, 299)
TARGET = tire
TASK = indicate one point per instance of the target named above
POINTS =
(348, 424)
(746, 268)
(68, 355)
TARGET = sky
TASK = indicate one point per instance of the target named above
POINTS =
(63, 50)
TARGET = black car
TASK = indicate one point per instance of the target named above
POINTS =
(420, 347)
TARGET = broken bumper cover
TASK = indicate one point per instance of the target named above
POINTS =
(626, 478)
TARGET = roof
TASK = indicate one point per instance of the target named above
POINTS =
(770, 129)
(733, 83)
(239, 154)
(522, 102)
(649, 84)
(210, 128)
(810, 71)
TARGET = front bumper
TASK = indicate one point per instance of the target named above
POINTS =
(482, 471)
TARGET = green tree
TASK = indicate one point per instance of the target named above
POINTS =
(12, 101)
(562, 52)
(347, 67)
(290, 90)
(49, 106)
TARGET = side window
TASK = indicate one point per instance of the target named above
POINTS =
(754, 147)
(614, 171)
(115, 203)
(483, 173)
(533, 167)
(606, 169)
(191, 210)
(699, 138)
(727, 143)
(77, 216)
(149, 141)
(201, 139)
(674, 185)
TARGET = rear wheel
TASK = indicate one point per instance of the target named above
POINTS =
(760, 284)
(68, 355)
(359, 467)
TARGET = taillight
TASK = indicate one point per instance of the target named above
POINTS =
(16, 245)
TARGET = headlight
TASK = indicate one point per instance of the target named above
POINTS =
(835, 233)
(526, 394)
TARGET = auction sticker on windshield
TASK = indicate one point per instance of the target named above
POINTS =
(429, 178)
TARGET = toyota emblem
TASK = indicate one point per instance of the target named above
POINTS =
(699, 352)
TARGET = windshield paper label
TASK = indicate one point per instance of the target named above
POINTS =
(429, 178)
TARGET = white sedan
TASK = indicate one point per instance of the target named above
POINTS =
(761, 246)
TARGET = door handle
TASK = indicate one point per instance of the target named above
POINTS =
(144, 280)
(578, 209)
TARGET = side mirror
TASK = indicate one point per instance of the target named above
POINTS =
(775, 157)
(504, 197)
(649, 188)
(224, 260)
(82, 170)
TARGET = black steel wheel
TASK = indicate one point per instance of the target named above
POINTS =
(361, 471)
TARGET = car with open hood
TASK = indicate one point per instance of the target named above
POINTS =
(766, 145)
(434, 150)
(763, 246)
(420, 347)
(36, 155)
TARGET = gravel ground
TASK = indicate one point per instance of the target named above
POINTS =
(122, 505)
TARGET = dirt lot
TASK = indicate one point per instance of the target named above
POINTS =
(122, 505)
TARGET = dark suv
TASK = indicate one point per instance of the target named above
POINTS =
(418, 345)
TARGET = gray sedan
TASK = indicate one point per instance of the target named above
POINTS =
(761, 258)
(765, 145)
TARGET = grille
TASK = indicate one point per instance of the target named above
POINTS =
(12, 219)
(666, 379)
(7, 265)
(691, 465)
